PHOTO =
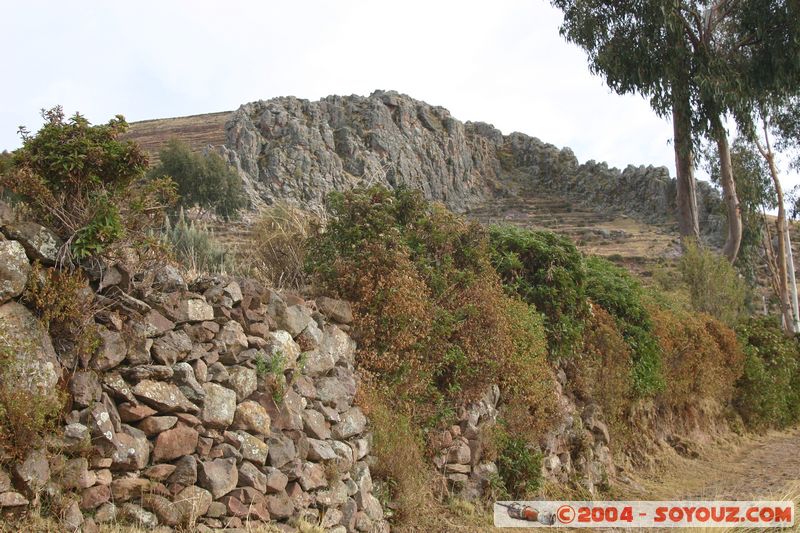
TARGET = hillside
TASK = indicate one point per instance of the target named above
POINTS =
(199, 131)
(297, 150)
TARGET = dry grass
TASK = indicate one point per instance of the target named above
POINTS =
(33, 522)
(276, 246)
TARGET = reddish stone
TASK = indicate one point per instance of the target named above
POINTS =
(93, 497)
(174, 443)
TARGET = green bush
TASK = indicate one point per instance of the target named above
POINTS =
(768, 394)
(203, 180)
(545, 270)
(85, 183)
(619, 293)
(518, 464)
(196, 248)
(431, 318)
(715, 286)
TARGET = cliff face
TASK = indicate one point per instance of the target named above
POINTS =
(300, 150)
(297, 150)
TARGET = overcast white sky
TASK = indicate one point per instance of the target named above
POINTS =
(501, 62)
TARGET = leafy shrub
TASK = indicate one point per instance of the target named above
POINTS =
(84, 183)
(715, 286)
(276, 253)
(203, 180)
(621, 295)
(701, 356)
(518, 464)
(768, 393)
(196, 248)
(545, 270)
(431, 317)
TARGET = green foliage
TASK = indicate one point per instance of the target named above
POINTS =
(431, 318)
(715, 286)
(768, 394)
(621, 294)
(84, 183)
(273, 369)
(196, 248)
(545, 270)
(518, 464)
(205, 180)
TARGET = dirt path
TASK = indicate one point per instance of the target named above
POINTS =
(765, 467)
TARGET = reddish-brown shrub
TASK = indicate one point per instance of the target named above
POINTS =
(702, 358)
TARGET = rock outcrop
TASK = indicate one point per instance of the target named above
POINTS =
(298, 150)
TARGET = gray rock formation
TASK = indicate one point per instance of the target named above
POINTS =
(296, 150)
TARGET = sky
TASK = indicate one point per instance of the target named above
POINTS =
(500, 62)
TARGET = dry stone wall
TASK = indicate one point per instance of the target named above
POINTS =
(216, 403)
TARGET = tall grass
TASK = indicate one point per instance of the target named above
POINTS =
(196, 248)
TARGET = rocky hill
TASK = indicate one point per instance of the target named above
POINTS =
(292, 149)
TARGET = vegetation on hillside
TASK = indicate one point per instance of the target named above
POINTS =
(202, 180)
(87, 185)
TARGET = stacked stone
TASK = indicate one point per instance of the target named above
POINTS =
(461, 458)
(212, 404)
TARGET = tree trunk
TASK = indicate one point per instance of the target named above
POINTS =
(783, 237)
(734, 237)
(783, 275)
(792, 283)
(686, 198)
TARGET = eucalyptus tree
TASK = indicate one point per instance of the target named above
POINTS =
(699, 61)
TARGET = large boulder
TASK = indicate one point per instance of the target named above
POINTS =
(40, 243)
(35, 366)
(14, 270)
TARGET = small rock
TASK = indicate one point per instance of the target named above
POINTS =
(219, 407)
(353, 423)
(319, 450)
(12, 499)
(106, 513)
(72, 517)
(112, 350)
(93, 497)
(172, 347)
(33, 473)
(159, 473)
(219, 476)
(85, 388)
(192, 503)
(174, 443)
(315, 425)
(167, 513)
(138, 516)
(185, 471)
(166, 397)
(251, 416)
(14, 270)
(336, 310)
(243, 381)
(127, 488)
(279, 506)
(252, 448)
(153, 425)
